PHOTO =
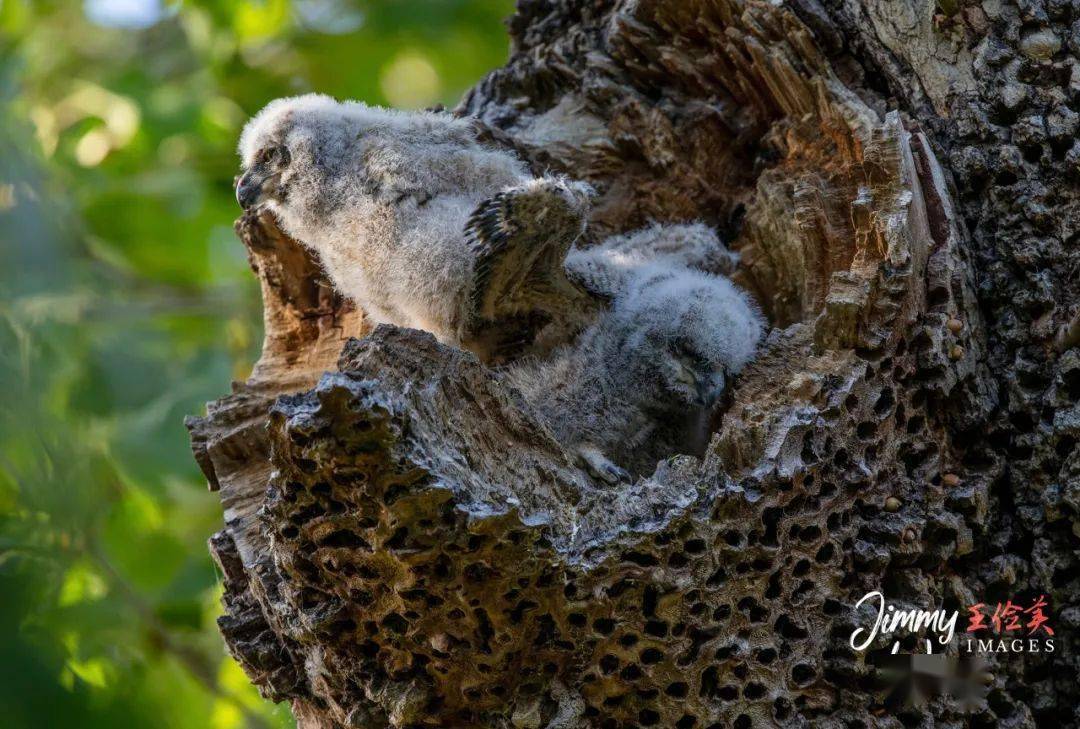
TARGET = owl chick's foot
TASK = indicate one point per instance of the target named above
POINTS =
(598, 466)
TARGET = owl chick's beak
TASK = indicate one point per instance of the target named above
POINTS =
(250, 188)
(699, 387)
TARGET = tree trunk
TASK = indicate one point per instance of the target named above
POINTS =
(404, 546)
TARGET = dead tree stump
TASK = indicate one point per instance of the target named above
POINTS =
(404, 546)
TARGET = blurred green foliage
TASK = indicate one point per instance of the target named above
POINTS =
(126, 303)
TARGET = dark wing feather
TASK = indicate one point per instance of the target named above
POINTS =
(520, 238)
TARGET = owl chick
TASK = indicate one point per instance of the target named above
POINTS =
(417, 222)
(602, 269)
(640, 384)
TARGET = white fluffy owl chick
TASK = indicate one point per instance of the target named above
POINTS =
(416, 221)
(640, 384)
(602, 269)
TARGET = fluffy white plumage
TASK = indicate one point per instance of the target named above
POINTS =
(640, 384)
(413, 218)
(601, 269)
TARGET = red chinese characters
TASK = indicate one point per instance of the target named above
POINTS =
(1008, 617)
(1038, 618)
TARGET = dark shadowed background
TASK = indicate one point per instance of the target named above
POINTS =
(126, 303)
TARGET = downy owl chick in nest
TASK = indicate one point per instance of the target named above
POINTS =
(418, 222)
(425, 227)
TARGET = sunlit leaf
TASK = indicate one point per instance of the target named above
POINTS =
(226, 715)
(81, 583)
(95, 671)
(260, 19)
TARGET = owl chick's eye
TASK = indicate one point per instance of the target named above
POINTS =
(278, 155)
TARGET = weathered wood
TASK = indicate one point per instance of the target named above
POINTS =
(405, 546)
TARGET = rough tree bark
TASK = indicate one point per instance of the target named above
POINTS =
(403, 546)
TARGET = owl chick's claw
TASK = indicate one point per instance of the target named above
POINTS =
(599, 467)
